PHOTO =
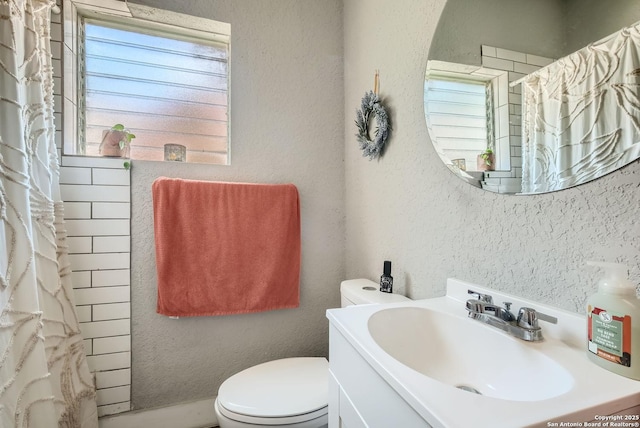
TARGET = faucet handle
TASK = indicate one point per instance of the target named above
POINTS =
(528, 318)
(482, 297)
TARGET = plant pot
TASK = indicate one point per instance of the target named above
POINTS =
(110, 145)
(481, 164)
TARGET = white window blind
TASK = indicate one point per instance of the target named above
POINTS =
(457, 115)
(164, 88)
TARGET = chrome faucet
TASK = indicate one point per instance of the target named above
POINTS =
(524, 326)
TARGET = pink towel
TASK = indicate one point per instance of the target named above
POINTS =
(226, 248)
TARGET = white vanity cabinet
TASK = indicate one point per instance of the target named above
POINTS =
(358, 396)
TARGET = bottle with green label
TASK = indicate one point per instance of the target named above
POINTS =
(613, 322)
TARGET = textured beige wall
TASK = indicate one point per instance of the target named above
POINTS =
(534, 27)
(408, 208)
(591, 20)
(549, 28)
(286, 126)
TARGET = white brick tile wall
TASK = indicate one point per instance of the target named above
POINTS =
(111, 244)
(118, 394)
(57, 72)
(75, 210)
(89, 162)
(538, 60)
(489, 51)
(84, 313)
(113, 409)
(118, 360)
(95, 329)
(511, 55)
(516, 150)
(108, 345)
(102, 295)
(56, 31)
(79, 244)
(80, 192)
(111, 311)
(518, 65)
(497, 63)
(524, 68)
(75, 175)
(97, 196)
(98, 227)
(113, 378)
(81, 279)
(517, 109)
(111, 210)
(118, 177)
(56, 50)
(96, 192)
(100, 261)
(110, 278)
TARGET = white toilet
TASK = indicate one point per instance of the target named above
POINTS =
(290, 392)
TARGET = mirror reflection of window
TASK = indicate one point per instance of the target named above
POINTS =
(457, 117)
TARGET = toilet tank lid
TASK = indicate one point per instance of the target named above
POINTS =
(280, 388)
(362, 291)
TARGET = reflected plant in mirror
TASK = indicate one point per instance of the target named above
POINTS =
(577, 121)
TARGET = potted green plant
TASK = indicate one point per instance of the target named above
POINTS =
(487, 160)
(116, 141)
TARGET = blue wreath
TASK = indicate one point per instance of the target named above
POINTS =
(371, 105)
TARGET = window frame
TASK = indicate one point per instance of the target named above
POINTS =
(461, 92)
(497, 89)
(153, 21)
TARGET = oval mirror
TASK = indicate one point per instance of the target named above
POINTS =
(517, 92)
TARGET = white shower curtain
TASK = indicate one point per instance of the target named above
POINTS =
(44, 377)
(581, 114)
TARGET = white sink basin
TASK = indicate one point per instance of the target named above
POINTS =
(466, 354)
(425, 350)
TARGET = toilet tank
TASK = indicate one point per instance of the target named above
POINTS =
(363, 291)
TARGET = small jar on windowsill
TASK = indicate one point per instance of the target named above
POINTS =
(175, 153)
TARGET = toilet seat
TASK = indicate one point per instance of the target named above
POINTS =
(280, 392)
(307, 420)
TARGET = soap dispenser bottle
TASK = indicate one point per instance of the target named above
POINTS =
(613, 322)
(386, 280)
